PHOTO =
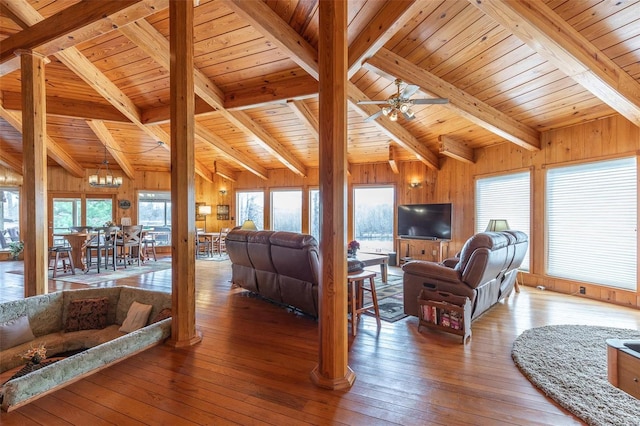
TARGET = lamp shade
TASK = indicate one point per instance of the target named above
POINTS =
(249, 225)
(204, 210)
(496, 225)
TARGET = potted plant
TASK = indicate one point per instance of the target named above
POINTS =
(16, 248)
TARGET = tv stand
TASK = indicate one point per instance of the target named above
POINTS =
(433, 250)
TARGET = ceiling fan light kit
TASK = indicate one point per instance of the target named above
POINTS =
(401, 102)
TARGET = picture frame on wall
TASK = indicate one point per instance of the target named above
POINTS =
(223, 211)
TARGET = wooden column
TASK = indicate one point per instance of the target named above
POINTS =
(34, 230)
(183, 214)
(332, 371)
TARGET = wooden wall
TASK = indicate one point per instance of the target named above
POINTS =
(602, 139)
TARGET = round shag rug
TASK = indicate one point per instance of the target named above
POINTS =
(569, 364)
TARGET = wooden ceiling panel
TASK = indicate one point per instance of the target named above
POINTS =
(452, 40)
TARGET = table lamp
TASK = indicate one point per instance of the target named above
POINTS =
(496, 225)
(249, 225)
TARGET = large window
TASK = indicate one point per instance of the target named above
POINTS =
(9, 216)
(505, 197)
(286, 210)
(373, 217)
(250, 206)
(154, 209)
(592, 221)
(67, 212)
(99, 211)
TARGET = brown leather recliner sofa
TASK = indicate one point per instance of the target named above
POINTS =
(280, 266)
(485, 272)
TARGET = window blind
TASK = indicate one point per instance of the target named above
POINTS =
(592, 222)
(505, 197)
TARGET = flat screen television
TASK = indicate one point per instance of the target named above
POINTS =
(425, 221)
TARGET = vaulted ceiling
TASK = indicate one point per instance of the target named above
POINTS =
(509, 69)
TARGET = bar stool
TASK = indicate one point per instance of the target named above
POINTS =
(357, 287)
(146, 242)
(58, 253)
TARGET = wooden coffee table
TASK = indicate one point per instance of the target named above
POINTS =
(370, 259)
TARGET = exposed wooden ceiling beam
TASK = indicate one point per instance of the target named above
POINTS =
(73, 18)
(54, 150)
(543, 30)
(391, 17)
(393, 163)
(265, 20)
(64, 107)
(241, 120)
(114, 148)
(298, 88)
(454, 149)
(391, 66)
(28, 15)
(225, 172)
(205, 135)
(10, 161)
(309, 120)
(157, 47)
(5, 11)
(393, 129)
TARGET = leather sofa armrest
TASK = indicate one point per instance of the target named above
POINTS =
(433, 270)
(451, 262)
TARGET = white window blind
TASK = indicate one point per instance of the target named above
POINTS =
(505, 197)
(592, 222)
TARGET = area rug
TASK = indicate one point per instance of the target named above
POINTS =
(214, 258)
(390, 301)
(93, 277)
(569, 364)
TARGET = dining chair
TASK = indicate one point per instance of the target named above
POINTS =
(129, 244)
(102, 243)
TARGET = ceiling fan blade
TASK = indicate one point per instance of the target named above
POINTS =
(373, 117)
(430, 101)
(409, 91)
(373, 102)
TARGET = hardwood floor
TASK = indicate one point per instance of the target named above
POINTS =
(253, 366)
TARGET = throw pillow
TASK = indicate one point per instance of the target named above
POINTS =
(137, 317)
(15, 332)
(87, 314)
(163, 314)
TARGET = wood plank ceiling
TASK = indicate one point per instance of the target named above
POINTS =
(510, 70)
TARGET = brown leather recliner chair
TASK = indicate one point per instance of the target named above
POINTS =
(281, 266)
(485, 272)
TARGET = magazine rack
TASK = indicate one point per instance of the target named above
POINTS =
(446, 312)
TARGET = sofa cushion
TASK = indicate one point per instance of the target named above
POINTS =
(163, 314)
(87, 314)
(15, 332)
(137, 317)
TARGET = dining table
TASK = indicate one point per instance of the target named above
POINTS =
(76, 241)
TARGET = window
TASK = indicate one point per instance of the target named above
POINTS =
(314, 213)
(9, 216)
(373, 217)
(67, 212)
(286, 210)
(154, 209)
(505, 197)
(250, 205)
(99, 211)
(592, 222)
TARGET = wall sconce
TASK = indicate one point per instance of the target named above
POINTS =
(415, 184)
(223, 192)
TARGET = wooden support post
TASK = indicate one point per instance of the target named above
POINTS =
(34, 189)
(183, 214)
(332, 371)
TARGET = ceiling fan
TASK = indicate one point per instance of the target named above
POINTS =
(401, 102)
